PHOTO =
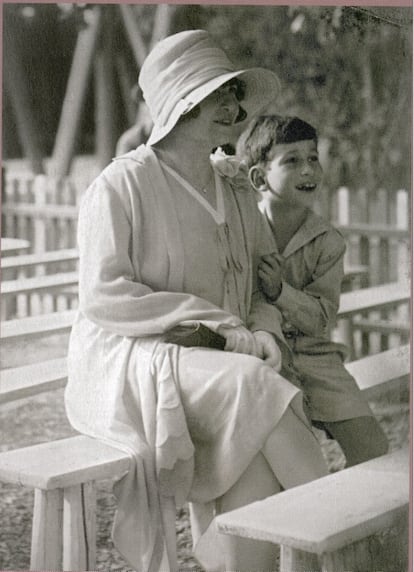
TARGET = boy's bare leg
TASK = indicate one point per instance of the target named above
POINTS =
(360, 438)
(241, 554)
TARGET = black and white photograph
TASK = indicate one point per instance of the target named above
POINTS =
(206, 282)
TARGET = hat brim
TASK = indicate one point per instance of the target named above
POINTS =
(262, 87)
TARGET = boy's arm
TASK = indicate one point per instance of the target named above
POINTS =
(263, 315)
(313, 309)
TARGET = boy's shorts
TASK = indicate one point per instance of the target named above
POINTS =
(330, 392)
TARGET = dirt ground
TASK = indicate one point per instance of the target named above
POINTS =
(43, 418)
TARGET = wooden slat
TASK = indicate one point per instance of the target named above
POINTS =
(370, 229)
(46, 211)
(62, 463)
(25, 329)
(330, 512)
(28, 260)
(11, 245)
(28, 380)
(49, 283)
(378, 372)
(382, 326)
(382, 296)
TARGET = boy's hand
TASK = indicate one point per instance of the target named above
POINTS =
(239, 340)
(270, 271)
(268, 350)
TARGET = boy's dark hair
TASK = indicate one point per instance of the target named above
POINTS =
(256, 143)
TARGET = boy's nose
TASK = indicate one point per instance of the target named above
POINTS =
(307, 168)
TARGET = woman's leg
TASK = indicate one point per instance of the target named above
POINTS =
(294, 452)
(360, 438)
(256, 483)
(291, 456)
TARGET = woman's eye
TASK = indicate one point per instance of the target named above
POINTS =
(291, 160)
(313, 159)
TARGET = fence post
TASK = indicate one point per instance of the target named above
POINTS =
(404, 272)
(344, 326)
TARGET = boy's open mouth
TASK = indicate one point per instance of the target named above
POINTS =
(307, 188)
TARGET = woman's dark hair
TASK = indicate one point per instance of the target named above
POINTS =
(256, 143)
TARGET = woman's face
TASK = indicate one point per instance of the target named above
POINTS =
(216, 121)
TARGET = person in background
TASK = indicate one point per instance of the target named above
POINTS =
(302, 279)
(174, 355)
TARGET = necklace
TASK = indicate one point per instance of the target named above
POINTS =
(207, 185)
(203, 189)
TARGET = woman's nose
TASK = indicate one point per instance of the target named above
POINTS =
(230, 102)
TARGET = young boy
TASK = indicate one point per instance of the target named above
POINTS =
(303, 279)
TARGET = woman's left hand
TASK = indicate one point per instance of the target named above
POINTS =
(268, 350)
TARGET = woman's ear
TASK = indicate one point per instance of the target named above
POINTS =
(257, 178)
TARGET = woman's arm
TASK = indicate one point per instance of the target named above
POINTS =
(110, 293)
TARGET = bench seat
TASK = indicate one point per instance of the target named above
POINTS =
(25, 329)
(29, 380)
(325, 515)
(375, 297)
(30, 260)
(62, 463)
(38, 284)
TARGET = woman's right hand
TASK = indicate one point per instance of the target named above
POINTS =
(239, 340)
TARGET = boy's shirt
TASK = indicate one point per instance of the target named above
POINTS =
(312, 275)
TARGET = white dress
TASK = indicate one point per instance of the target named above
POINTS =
(152, 256)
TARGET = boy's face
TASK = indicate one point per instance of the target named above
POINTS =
(293, 173)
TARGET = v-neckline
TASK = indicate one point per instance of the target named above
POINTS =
(217, 213)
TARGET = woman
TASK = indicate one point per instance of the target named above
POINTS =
(166, 241)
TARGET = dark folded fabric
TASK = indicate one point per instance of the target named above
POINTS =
(197, 336)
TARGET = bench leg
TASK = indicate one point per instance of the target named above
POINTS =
(79, 527)
(360, 555)
(46, 551)
(292, 560)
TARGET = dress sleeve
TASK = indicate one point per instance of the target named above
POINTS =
(313, 309)
(110, 293)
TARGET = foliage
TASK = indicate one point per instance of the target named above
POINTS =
(347, 70)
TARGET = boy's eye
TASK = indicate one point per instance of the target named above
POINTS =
(291, 160)
(314, 158)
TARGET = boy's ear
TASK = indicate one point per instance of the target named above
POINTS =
(257, 178)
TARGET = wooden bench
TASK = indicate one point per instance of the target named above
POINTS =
(25, 261)
(39, 284)
(63, 474)
(64, 283)
(327, 524)
(324, 525)
(376, 297)
(368, 311)
(12, 245)
(33, 327)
